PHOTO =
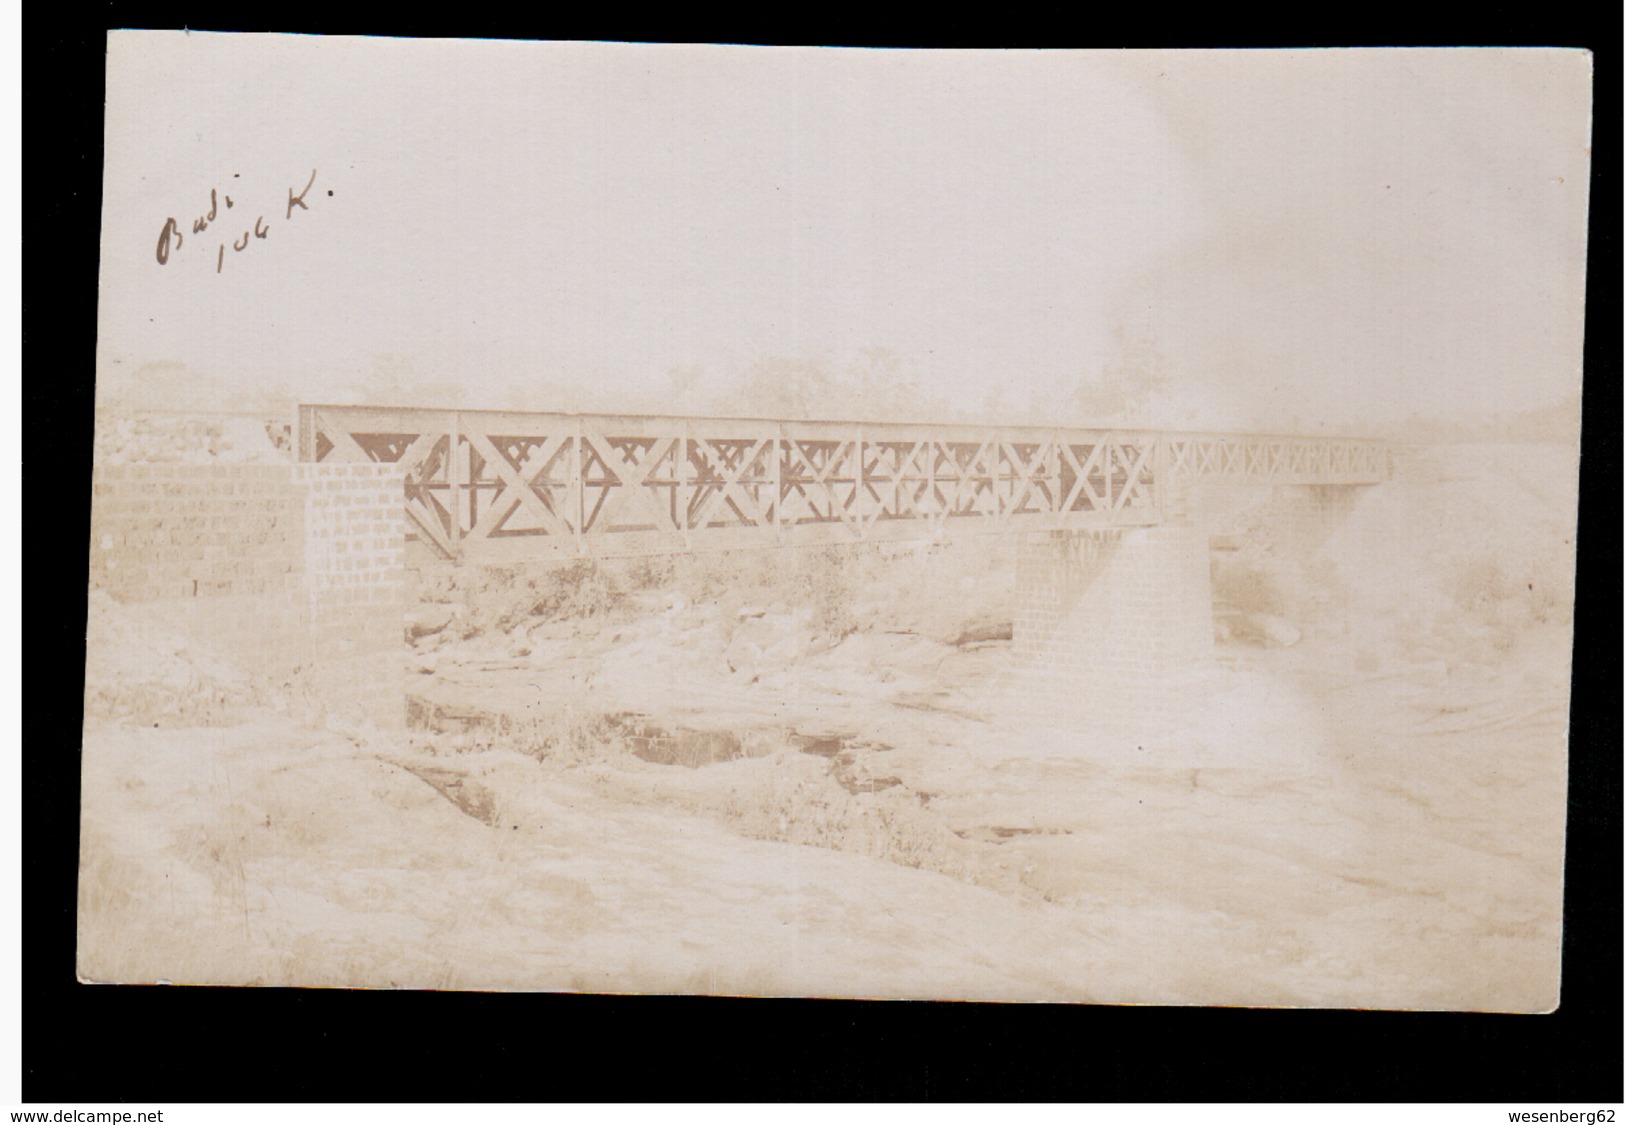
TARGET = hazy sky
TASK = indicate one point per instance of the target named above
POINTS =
(1338, 236)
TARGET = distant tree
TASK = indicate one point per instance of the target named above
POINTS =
(1555, 422)
(171, 385)
(995, 406)
(682, 378)
(876, 384)
(1126, 383)
(884, 389)
(786, 387)
(394, 380)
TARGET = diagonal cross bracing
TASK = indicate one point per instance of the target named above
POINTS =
(502, 485)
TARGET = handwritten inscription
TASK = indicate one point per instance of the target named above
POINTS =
(171, 238)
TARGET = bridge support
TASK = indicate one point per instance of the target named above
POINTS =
(1286, 550)
(1109, 623)
(293, 573)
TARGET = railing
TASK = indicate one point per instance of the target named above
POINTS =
(494, 485)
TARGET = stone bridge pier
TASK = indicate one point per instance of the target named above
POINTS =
(1282, 550)
(1293, 520)
(1111, 626)
(292, 573)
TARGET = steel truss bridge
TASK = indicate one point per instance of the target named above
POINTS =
(496, 486)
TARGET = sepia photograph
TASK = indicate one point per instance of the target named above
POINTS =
(1055, 526)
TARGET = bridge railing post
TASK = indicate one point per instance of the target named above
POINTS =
(779, 452)
(454, 479)
(1052, 478)
(1160, 481)
(1114, 454)
(304, 433)
(861, 496)
(929, 508)
(578, 489)
(687, 486)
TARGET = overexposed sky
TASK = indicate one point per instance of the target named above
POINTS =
(1337, 237)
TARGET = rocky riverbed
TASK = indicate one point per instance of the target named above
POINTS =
(744, 789)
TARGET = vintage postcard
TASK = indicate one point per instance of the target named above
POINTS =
(1025, 525)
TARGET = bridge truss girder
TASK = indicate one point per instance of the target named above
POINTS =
(497, 486)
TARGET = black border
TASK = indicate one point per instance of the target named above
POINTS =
(144, 1045)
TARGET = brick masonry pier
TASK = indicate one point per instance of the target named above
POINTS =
(1107, 623)
(1110, 625)
(292, 572)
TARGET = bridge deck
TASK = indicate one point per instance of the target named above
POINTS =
(498, 485)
